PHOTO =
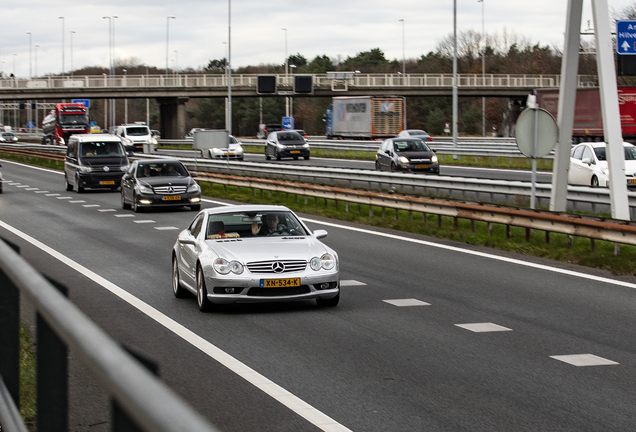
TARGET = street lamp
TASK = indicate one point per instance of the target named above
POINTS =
(62, 18)
(168, 40)
(483, 70)
(14, 56)
(286, 74)
(72, 32)
(229, 66)
(126, 99)
(176, 62)
(36, 59)
(30, 45)
(403, 52)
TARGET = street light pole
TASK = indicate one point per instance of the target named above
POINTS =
(126, 99)
(30, 58)
(403, 50)
(455, 122)
(286, 74)
(229, 66)
(36, 59)
(168, 40)
(483, 70)
(62, 18)
(72, 32)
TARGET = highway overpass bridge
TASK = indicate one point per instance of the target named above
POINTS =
(172, 91)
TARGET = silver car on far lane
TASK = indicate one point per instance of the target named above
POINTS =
(253, 254)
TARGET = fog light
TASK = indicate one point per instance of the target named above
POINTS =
(144, 201)
(229, 290)
(324, 285)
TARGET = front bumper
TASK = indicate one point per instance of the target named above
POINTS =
(176, 200)
(245, 288)
(293, 152)
(110, 180)
(420, 166)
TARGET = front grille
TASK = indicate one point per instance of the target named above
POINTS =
(167, 190)
(421, 160)
(278, 292)
(268, 266)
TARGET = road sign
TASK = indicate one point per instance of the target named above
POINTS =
(86, 102)
(626, 37)
(288, 123)
(30, 125)
(537, 121)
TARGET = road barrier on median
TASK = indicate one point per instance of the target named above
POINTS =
(140, 400)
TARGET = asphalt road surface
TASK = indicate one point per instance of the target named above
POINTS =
(429, 335)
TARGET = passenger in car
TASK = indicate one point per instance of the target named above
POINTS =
(270, 223)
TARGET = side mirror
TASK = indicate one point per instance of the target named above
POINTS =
(186, 239)
(320, 234)
(193, 174)
(587, 161)
(434, 150)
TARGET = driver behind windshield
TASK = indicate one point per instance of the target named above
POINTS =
(270, 224)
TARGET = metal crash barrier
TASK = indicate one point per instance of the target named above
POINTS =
(140, 401)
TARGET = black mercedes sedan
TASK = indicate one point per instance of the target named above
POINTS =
(407, 154)
(150, 183)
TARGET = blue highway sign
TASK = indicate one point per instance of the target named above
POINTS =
(626, 37)
(86, 102)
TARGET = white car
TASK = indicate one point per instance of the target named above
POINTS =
(415, 133)
(588, 164)
(234, 150)
(253, 254)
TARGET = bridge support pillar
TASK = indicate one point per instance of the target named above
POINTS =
(172, 117)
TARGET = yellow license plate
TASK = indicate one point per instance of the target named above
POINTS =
(107, 182)
(631, 181)
(295, 151)
(280, 283)
(231, 154)
(421, 166)
(172, 198)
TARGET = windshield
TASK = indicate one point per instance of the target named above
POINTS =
(161, 169)
(233, 140)
(256, 224)
(137, 131)
(8, 135)
(73, 119)
(289, 136)
(407, 146)
(101, 149)
(601, 153)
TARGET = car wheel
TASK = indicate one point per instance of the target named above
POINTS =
(177, 289)
(295, 157)
(277, 155)
(307, 157)
(267, 156)
(329, 302)
(80, 189)
(135, 205)
(196, 207)
(594, 181)
(124, 204)
(377, 165)
(392, 166)
(69, 187)
(202, 293)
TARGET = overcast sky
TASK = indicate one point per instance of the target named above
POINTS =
(336, 28)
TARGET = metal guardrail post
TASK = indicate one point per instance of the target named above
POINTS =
(10, 334)
(52, 375)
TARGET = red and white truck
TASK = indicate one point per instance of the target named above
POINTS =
(588, 119)
(65, 120)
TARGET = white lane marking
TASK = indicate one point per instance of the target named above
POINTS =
(90, 205)
(483, 327)
(64, 197)
(107, 210)
(77, 201)
(406, 302)
(144, 221)
(584, 360)
(123, 215)
(53, 194)
(294, 403)
(41, 191)
(166, 228)
(352, 282)
(32, 189)
(23, 186)
(13, 184)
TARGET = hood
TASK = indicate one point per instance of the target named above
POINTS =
(630, 168)
(166, 180)
(268, 248)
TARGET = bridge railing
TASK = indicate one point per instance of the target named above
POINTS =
(240, 80)
(139, 398)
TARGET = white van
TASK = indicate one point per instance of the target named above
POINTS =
(134, 136)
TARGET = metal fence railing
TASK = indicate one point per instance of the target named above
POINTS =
(140, 400)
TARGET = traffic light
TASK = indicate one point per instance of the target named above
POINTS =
(266, 84)
(303, 84)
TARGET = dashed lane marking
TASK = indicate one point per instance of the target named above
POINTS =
(406, 302)
(483, 327)
(584, 360)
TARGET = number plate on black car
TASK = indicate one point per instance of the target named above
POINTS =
(421, 166)
(280, 283)
(107, 182)
(172, 198)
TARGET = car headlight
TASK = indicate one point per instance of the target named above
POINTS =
(434, 159)
(194, 187)
(306, 145)
(153, 141)
(604, 170)
(124, 167)
(216, 150)
(280, 146)
(128, 140)
(238, 149)
(145, 189)
(327, 262)
(403, 160)
(85, 169)
(223, 266)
